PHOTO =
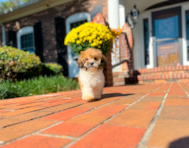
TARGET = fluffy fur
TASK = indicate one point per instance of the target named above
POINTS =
(91, 78)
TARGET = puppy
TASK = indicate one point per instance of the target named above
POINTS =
(91, 78)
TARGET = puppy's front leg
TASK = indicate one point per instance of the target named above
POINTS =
(97, 91)
(87, 94)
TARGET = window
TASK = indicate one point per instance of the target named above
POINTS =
(187, 34)
(146, 41)
(27, 42)
(71, 22)
(25, 39)
(76, 24)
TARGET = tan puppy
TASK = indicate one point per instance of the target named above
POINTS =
(91, 78)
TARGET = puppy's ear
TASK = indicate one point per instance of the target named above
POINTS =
(103, 61)
(80, 61)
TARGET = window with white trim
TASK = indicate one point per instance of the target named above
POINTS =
(72, 22)
(25, 39)
(76, 24)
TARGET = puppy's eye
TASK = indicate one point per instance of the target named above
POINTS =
(95, 58)
(87, 59)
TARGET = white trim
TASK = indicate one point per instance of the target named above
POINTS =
(113, 13)
(73, 67)
(23, 31)
(151, 51)
(121, 24)
(121, 15)
(183, 58)
(184, 39)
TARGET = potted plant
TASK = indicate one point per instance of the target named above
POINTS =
(91, 35)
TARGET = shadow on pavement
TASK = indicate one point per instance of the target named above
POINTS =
(104, 96)
(180, 143)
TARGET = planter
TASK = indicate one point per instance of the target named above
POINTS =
(97, 36)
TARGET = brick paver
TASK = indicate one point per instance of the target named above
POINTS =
(133, 116)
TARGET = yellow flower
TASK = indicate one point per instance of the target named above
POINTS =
(78, 42)
(95, 34)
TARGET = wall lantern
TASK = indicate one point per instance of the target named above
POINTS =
(135, 13)
(132, 17)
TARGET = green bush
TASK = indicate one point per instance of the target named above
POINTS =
(37, 86)
(50, 69)
(15, 62)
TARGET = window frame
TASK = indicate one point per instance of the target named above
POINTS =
(146, 20)
(77, 22)
(187, 36)
(152, 53)
(72, 64)
(25, 31)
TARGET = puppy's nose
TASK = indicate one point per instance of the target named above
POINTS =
(92, 64)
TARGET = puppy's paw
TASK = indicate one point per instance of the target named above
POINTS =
(88, 98)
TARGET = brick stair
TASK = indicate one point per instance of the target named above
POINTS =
(122, 78)
(163, 74)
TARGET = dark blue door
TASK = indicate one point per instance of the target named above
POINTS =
(167, 30)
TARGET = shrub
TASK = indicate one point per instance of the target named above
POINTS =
(14, 62)
(37, 86)
(50, 69)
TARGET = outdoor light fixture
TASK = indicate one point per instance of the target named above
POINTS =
(130, 21)
(132, 17)
(135, 14)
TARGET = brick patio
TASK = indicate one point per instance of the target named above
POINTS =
(149, 115)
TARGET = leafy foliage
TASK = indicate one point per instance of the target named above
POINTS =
(76, 48)
(91, 35)
(52, 69)
(14, 61)
(16, 64)
(6, 5)
(37, 86)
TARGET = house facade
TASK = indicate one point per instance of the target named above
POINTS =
(161, 35)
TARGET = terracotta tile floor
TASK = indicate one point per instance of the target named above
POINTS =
(132, 116)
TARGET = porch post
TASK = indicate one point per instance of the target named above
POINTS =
(114, 22)
(113, 13)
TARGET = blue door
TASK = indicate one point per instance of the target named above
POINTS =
(167, 30)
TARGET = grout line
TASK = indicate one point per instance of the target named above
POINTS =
(49, 113)
(73, 142)
(56, 136)
(45, 107)
(183, 89)
(132, 104)
(144, 141)
(26, 120)
(25, 136)
(99, 106)
(68, 137)
(37, 132)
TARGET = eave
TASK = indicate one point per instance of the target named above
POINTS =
(25, 10)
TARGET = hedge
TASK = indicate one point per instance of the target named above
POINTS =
(16, 64)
